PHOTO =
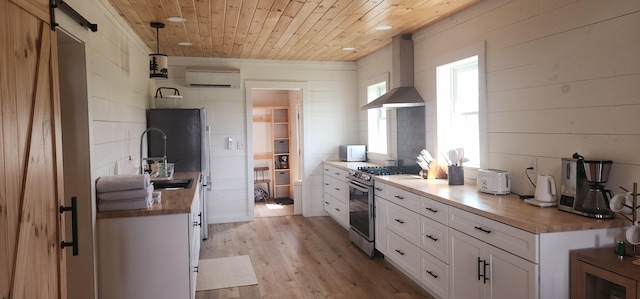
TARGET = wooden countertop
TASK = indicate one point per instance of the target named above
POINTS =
(172, 202)
(507, 209)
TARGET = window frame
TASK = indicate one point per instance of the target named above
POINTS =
(478, 50)
(368, 82)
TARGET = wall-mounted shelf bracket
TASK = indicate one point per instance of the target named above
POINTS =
(53, 4)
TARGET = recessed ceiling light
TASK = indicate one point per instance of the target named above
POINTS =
(185, 43)
(384, 27)
(176, 19)
(349, 48)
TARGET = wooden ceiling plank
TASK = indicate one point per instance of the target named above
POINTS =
(283, 23)
(308, 15)
(231, 16)
(203, 13)
(352, 14)
(276, 10)
(244, 24)
(317, 18)
(171, 8)
(281, 29)
(259, 16)
(336, 13)
(360, 35)
(217, 27)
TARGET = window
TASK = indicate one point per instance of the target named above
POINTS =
(458, 102)
(377, 129)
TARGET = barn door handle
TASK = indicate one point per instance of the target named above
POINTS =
(74, 225)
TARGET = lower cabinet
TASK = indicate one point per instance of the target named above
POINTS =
(336, 194)
(480, 270)
(149, 256)
(599, 273)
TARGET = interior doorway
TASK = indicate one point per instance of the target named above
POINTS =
(76, 161)
(277, 162)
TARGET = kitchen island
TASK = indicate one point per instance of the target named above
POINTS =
(459, 243)
(154, 252)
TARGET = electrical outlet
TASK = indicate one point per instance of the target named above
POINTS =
(533, 164)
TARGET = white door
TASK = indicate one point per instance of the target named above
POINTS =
(380, 227)
(466, 266)
(511, 276)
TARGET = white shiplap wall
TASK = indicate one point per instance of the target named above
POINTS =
(562, 77)
(118, 83)
(328, 108)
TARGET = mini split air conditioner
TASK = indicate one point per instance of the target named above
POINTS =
(224, 78)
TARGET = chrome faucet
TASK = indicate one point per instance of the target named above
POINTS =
(164, 153)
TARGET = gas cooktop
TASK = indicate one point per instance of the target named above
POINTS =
(390, 170)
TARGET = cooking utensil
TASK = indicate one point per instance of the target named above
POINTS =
(453, 157)
(460, 156)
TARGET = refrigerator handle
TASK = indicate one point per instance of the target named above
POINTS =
(208, 158)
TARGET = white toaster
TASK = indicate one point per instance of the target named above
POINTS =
(493, 181)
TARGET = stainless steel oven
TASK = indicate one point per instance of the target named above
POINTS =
(361, 214)
(362, 205)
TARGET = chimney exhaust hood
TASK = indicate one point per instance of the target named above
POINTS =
(404, 94)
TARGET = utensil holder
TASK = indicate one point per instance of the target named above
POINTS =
(456, 175)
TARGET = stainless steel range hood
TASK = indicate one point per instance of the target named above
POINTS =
(403, 94)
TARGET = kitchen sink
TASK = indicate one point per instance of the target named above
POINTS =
(173, 184)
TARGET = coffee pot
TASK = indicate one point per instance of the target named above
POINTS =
(582, 189)
(597, 199)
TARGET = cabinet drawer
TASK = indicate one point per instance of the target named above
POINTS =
(328, 199)
(404, 198)
(340, 212)
(403, 222)
(435, 275)
(508, 238)
(434, 210)
(326, 184)
(404, 254)
(340, 190)
(435, 236)
(380, 189)
(335, 172)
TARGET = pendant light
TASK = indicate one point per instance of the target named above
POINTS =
(158, 63)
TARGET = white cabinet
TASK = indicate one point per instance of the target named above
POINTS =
(479, 270)
(149, 256)
(336, 194)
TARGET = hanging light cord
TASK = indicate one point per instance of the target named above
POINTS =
(157, 40)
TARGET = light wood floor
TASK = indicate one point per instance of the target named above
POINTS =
(271, 209)
(300, 257)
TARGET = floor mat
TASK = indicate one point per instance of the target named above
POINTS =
(226, 272)
(284, 201)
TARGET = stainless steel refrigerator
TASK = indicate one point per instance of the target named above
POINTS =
(188, 144)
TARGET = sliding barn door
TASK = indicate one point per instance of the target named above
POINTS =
(31, 260)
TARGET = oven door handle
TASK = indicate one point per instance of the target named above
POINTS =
(358, 187)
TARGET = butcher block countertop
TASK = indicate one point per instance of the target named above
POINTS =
(172, 201)
(507, 209)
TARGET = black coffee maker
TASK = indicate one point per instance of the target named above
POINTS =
(582, 187)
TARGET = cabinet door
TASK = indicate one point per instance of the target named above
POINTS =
(591, 282)
(510, 276)
(380, 227)
(465, 267)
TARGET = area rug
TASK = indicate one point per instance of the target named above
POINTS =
(225, 272)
